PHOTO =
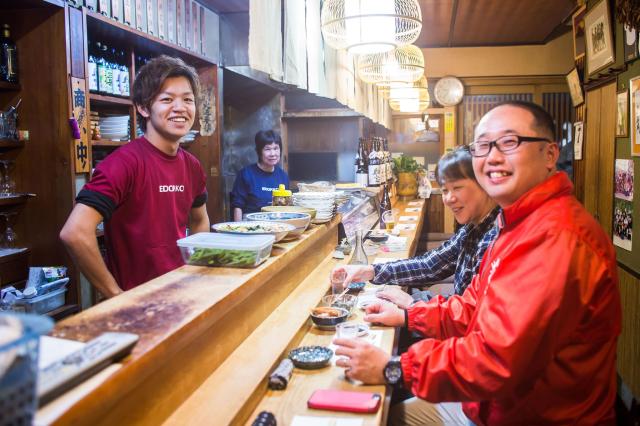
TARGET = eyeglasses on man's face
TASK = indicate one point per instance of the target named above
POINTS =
(503, 144)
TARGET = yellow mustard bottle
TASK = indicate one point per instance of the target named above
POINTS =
(282, 196)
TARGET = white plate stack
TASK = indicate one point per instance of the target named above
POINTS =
(323, 202)
(114, 127)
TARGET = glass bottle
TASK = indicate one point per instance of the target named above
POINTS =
(385, 206)
(359, 256)
(93, 73)
(124, 75)
(8, 57)
(102, 69)
(357, 159)
(374, 175)
(362, 175)
(108, 71)
(115, 70)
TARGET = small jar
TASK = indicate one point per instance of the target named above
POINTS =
(282, 197)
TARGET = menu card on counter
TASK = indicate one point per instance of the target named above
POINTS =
(405, 227)
(415, 203)
(408, 218)
(412, 209)
(325, 421)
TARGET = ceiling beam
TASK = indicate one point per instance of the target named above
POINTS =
(454, 12)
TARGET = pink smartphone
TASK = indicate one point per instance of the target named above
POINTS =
(339, 400)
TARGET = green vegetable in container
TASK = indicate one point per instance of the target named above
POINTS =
(222, 257)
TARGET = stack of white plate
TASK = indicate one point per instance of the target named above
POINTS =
(323, 202)
(114, 127)
(189, 137)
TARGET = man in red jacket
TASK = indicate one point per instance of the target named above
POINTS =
(533, 338)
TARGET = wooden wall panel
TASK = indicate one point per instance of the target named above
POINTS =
(629, 340)
(606, 156)
(590, 152)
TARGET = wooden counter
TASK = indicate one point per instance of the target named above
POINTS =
(209, 337)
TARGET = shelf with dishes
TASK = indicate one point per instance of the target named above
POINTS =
(109, 100)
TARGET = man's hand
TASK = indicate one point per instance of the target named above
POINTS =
(364, 362)
(351, 273)
(394, 294)
(385, 314)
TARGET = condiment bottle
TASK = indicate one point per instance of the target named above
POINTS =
(282, 196)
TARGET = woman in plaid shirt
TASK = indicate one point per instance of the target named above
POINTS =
(459, 256)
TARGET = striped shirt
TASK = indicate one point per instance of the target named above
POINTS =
(459, 256)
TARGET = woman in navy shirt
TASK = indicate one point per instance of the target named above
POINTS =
(255, 183)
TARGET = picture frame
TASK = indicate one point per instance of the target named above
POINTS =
(599, 39)
(630, 42)
(634, 115)
(622, 114)
(575, 87)
(577, 20)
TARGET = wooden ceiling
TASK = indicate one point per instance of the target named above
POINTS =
(459, 23)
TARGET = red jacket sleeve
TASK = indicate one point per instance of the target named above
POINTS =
(528, 304)
(442, 318)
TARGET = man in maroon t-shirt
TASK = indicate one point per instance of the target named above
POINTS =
(147, 192)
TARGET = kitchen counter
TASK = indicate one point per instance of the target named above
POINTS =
(208, 337)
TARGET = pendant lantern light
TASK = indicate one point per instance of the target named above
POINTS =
(402, 65)
(410, 98)
(370, 26)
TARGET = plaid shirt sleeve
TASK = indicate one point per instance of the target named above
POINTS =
(434, 265)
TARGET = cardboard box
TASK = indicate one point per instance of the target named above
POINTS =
(162, 19)
(128, 13)
(152, 17)
(171, 21)
(180, 22)
(117, 10)
(141, 15)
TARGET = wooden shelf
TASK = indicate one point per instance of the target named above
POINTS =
(107, 28)
(11, 143)
(7, 254)
(107, 143)
(111, 100)
(322, 113)
(7, 87)
(15, 199)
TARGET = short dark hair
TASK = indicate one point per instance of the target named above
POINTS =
(264, 138)
(152, 76)
(542, 120)
(455, 165)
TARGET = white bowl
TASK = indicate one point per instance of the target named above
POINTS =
(278, 230)
(299, 220)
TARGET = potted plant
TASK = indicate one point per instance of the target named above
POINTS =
(406, 168)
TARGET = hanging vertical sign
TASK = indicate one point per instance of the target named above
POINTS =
(81, 150)
(207, 110)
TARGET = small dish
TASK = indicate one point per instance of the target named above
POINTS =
(310, 357)
(345, 301)
(377, 236)
(326, 317)
(356, 286)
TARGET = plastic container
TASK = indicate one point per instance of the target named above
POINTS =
(230, 250)
(18, 400)
(281, 196)
(41, 304)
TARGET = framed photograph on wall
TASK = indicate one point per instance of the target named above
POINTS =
(622, 115)
(630, 44)
(575, 88)
(634, 115)
(600, 48)
(578, 32)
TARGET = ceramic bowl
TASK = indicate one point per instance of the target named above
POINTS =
(311, 357)
(291, 209)
(345, 301)
(328, 321)
(278, 230)
(299, 220)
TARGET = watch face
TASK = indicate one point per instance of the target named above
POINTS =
(393, 372)
(449, 91)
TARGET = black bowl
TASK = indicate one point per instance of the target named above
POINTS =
(310, 357)
(327, 322)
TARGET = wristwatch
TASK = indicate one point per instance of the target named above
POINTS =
(393, 371)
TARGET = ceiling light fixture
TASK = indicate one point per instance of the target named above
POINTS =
(402, 65)
(370, 26)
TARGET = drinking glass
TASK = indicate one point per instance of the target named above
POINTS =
(8, 185)
(337, 279)
(9, 238)
(389, 220)
(347, 330)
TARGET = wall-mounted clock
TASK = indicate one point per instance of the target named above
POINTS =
(448, 91)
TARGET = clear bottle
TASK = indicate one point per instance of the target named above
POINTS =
(385, 206)
(104, 86)
(8, 56)
(359, 256)
(362, 175)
